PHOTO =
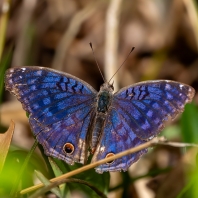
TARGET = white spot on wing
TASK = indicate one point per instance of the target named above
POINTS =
(181, 86)
(167, 87)
(39, 72)
(102, 149)
(23, 70)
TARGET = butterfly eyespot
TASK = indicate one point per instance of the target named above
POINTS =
(110, 155)
(68, 148)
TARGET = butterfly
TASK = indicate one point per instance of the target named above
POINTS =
(71, 120)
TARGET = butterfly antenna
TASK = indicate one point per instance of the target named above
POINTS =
(97, 62)
(122, 63)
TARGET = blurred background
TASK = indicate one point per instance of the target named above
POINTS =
(57, 34)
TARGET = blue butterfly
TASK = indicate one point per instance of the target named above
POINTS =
(70, 119)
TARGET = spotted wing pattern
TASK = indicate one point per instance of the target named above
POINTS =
(138, 113)
(60, 108)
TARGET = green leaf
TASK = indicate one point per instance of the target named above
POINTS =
(57, 172)
(64, 168)
(190, 190)
(189, 124)
(11, 170)
(100, 181)
(23, 167)
(171, 132)
(46, 182)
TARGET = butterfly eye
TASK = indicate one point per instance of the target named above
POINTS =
(110, 155)
(68, 148)
(112, 87)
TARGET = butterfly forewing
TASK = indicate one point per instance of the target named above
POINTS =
(147, 105)
(60, 107)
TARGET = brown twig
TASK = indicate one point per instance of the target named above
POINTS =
(95, 164)
(153, 142)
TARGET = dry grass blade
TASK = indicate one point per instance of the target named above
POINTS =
(192, 14)
(71, 32)
(111, 40)
(3, 24)
(5, 140)
(23, 42)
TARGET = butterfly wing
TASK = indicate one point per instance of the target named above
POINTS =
(138, 113)
(147, 105)
(117, 137)
(60, 108)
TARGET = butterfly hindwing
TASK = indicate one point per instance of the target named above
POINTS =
(60, 107)
(72, 129)
(117, 137)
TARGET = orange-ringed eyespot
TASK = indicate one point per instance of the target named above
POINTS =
(110, 155)
(68, 148)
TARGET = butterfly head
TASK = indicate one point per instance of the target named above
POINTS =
(107, 87)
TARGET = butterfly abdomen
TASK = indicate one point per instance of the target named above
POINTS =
(97, 130)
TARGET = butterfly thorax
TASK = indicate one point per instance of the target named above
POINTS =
(104, 100)
(104, 97)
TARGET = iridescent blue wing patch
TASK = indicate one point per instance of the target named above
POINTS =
(60, 106)
(137, 114)
(117, 137)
